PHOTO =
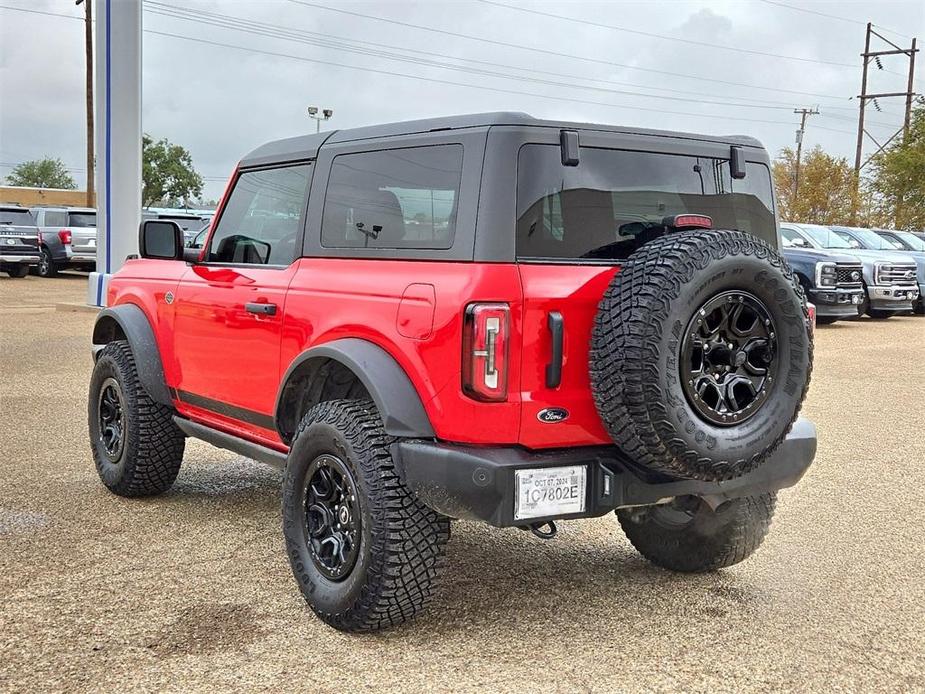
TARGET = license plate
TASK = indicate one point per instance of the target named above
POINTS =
(91, 242)
(551, 491)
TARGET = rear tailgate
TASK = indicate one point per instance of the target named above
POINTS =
(83, 240)
(17, 240)
(573, 292)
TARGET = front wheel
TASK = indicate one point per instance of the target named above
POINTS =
(687, 535)
(365, 553)
(17, 271)
(136, 445)
(880, 314)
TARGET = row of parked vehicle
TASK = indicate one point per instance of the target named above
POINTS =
(849, 272)
(46, 240)
(846, 271)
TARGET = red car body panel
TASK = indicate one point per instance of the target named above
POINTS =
(223, 361)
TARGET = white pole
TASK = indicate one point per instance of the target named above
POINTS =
(118, 139)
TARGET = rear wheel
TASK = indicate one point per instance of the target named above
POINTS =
(366, 554)
(46, 266)
(687, 535)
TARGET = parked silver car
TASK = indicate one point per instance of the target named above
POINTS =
(68, 238)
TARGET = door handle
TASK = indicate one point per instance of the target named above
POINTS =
(261, 309)
(554, 368)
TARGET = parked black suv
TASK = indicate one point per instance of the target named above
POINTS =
(19, 241)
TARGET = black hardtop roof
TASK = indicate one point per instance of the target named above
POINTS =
(306, 146)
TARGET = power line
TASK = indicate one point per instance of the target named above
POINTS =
(557, 54)
(662, 37)
(859, 22)
(237, 24)
(711, 116)
(328, 41)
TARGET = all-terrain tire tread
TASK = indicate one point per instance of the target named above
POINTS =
(685, 551)
(155, 443)
(408, 539)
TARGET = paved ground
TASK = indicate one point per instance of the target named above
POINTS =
(192, 589)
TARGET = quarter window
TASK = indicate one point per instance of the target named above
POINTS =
(396, 198)
(54, 218)
(262, 218)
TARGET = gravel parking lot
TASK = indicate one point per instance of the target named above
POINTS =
(192, 590)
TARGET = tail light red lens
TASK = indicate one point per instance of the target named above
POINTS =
(65, 236)
(485, 351)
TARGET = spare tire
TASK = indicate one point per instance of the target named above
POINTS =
(701, 354)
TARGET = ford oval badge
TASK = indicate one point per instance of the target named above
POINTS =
(551, 415)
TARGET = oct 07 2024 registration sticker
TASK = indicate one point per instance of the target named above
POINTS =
(554, 491)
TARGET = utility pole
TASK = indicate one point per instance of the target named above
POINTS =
(804, 114)
(864, 97)
(88, 49)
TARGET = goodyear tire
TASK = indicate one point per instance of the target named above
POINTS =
(701, 354)
(366, 554)
(137, 447)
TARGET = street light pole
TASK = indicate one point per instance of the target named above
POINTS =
(325, 114)
(88, 48)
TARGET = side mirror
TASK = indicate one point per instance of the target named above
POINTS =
(161, 239)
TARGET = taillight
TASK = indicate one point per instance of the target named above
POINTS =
(65, 236)
(811, 312)
(485, 351)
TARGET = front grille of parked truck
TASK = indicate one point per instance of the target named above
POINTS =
(848, 275)
(895, 273)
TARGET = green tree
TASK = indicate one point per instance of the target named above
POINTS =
(825, 191)
(41, 173)
(898, 177)
(167, 172)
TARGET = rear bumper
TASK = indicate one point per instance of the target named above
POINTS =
(476, 483)
(19, 259)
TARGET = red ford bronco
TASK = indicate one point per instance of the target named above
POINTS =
(486, 317)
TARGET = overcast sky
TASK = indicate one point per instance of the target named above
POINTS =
(220, 101)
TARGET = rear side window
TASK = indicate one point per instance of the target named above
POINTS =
(262, 218)
(616, 200)
(396, 198)
(54, 218)
(81, 219)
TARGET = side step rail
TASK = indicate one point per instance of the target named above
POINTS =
(231, 442)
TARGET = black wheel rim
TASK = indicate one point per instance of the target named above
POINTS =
(332, 517)
(111, 419)
(729, 358)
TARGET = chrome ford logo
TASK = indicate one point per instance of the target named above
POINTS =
(856, 276)
(552, 415)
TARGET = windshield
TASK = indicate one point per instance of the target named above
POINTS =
(826, 237)
(615, 200)
(18, 217)
(81, 219)
(911, 240)
(868, 239)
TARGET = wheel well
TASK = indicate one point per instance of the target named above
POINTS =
(106, 330)
(315, 380)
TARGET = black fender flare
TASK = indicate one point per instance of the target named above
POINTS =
(133, 323)
(396, 398)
